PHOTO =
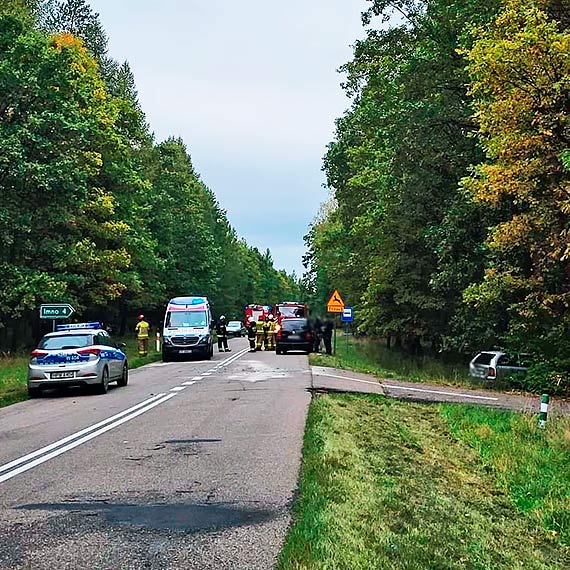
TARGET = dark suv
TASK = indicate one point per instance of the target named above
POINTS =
(294, 334)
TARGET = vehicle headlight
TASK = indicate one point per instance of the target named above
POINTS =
(166, 340)
(202, 339)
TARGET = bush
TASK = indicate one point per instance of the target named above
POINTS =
(551, 378)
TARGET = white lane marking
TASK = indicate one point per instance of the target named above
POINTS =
(206, 374)
(84, 439)
(232, 359)
(197, 378)
(178, 389)
(392, 387)
(188, 383)
(63, 441)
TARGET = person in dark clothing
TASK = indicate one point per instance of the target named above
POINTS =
(317, 334)
(251, 334)
(222, 333)
(327, 336)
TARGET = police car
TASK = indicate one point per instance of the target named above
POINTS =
(80, 354)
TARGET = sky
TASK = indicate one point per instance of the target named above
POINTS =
(253, 89)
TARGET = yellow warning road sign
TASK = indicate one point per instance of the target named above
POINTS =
(335, 303)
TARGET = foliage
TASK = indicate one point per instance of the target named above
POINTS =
(520, 75)
(450, 179)
(93, 211)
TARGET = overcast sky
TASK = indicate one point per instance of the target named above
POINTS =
(252, 88)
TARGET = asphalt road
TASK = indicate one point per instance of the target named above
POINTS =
(325, 380)
(192, 465)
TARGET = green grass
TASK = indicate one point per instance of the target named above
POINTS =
(392, 485)
(13, 380)
(372, 357)
(13, 371)
(532, 465)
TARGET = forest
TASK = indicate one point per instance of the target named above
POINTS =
(447, 226)
(94, 211)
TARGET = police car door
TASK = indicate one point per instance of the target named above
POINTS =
(111, 356)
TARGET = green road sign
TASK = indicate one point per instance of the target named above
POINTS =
(56, 311)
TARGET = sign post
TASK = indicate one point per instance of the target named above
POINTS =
(56, 311)
(347, 317)
(335, 305)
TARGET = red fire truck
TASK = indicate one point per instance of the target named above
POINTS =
(290, 310)
(254, 311)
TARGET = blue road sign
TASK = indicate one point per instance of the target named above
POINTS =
(347, 315)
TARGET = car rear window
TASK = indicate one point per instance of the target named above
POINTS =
(484, 358)
(294, 324)
(66, 341)
(234, 324)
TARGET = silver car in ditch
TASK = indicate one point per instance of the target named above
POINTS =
(81, 354)
(496, 365)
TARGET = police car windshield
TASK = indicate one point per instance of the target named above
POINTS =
(66, 341)
(186, 319)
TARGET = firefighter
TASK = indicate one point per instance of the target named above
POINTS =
(260, 332)
(270, 331)
(142, 329)
(222, 333)
(251, 333)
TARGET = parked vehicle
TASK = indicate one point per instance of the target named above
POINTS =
(496, 365)
(293, 334)
(187, 328)
(236, 328)
(80, 354)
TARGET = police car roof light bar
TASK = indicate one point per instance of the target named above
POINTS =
(75, 326)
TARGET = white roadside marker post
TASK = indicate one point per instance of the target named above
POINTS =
(542, 416)
(157, 341)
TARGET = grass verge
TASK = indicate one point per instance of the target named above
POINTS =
(392, 485)
(13, 372)
(372, 357)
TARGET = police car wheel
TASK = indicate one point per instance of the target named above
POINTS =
(103, 386)
(124, 379)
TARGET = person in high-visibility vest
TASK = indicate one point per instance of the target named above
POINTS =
(270, 332)
(260, 332)
(142, 329)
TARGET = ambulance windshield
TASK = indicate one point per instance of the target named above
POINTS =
(186, 319)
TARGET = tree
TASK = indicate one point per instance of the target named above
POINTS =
(54, 121)
(521, 83)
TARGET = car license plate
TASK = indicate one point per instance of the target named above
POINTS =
(188, 351)
(55, 375)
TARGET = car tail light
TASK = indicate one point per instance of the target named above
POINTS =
(309, 336)
(90, 352)
(38, 354)
(492, 372)
(279, 333)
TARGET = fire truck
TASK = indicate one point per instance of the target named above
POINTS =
(290, 310)
(254, 311)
